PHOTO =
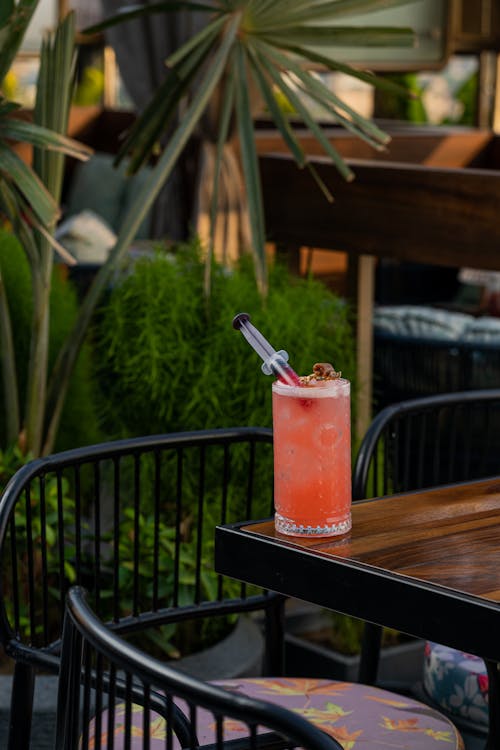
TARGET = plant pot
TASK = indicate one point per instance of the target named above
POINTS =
(402, 664)
(239, 654)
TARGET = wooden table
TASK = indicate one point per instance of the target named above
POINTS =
(426, 563)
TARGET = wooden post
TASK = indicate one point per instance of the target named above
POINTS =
(365, 300)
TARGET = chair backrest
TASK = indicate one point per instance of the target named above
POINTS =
(109, 691)
(430, 441)
(419, 443)
(133, 522)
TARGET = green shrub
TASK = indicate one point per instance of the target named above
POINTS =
(79, 424)
(169, 360)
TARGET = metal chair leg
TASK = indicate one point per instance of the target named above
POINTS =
(21, 707)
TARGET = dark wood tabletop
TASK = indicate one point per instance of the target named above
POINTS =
(426, 563)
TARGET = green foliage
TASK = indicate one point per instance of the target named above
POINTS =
(79, 424)
(169, 362)
(37, 519)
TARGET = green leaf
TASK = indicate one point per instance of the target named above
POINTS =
(225, 120)
(383, 84)
(211, 30)
(314, 88)
(340, 36)
(145, 198)
(13, 31)
(279, 119)
(19, 130)
(159, 113)
(307, 12)
(9, 375)
(313, 126)
(27, 182)
(250, 165)
(6, 8)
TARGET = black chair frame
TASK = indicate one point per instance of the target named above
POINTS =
(25, 580)
(460, 433)
(152, 682)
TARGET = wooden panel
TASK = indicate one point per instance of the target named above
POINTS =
(439, 147)
(449, 537)
(409, 212)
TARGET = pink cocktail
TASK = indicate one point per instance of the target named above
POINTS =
(312, 458)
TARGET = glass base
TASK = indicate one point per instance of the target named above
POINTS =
(290, 528)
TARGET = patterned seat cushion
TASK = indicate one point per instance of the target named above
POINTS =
(457, 682)
(358, 716)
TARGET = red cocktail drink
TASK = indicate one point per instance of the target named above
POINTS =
(312, 458)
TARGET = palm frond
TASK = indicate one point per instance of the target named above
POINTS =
(307, 118)
(13, 29)
(13, 169)
(250, 167)
(307, 12)
(163, 107)
(37, 135)
(340, 36)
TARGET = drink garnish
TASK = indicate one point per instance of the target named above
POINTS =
(321, 371)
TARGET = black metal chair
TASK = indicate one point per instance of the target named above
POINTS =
(132, 521)
(425, 442)
(114, 695)
(429, 441)
(111, 690)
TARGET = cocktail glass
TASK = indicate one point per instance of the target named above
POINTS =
(312, 458)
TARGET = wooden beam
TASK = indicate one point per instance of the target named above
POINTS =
(404, 211)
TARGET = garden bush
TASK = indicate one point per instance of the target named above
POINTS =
(170, 360)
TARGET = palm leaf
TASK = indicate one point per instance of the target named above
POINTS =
(20, 130)
(12, 30)
(283, 125)
(313, 126)
(156, 179)
(225, 120)
(26, 181)
(8, 367)
(384, 84)
(307, 11)
(340, 36)
(360, 126)
(163, 107)
(16, 210)
(250, 166)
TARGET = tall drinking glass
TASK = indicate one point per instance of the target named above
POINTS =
(312, 458)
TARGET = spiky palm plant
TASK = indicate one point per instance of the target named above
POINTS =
(260, 45)
(244, 45)
(29, 199)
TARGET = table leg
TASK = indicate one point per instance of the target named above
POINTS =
(493, 741)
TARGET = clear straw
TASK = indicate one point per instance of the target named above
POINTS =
(274, 363)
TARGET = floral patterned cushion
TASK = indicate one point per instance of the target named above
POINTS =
(457, 682)
(358, 716)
